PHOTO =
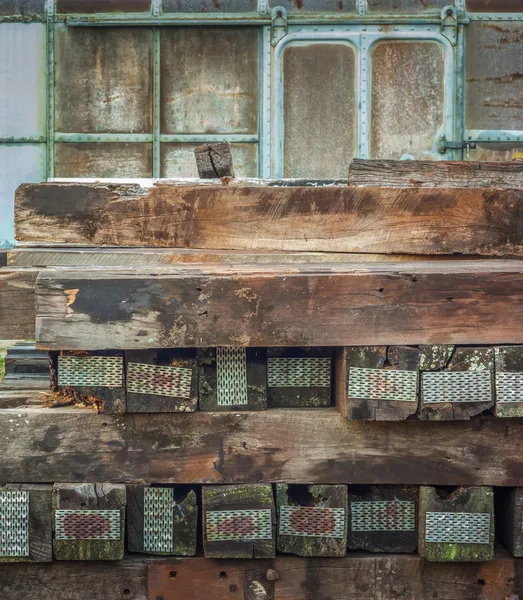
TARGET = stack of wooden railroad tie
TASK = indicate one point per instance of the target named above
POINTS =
(395, 299)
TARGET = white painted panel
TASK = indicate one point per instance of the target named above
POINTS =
(22, 79)
(19, 163)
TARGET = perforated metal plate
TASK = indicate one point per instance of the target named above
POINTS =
(87, 524)
(238, 525)
(509, 387)
(159, 380)
(456, 386)
(383, 384)
(84, 371)
(158, 520)
(457, 528)
(298, 372)
(383, 515)
(231, 373)
(311, 521)
(14, 523)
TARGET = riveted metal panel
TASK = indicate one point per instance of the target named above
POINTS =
(87, 525)
(457, 528)
(509, 387)
(408, 99)
(14, 523)
(22, 81)
(231, 373)
(386, 515)
(209, 80)
(158, 520)
(20, 164)
(105, 159)
(159, 380)
(240, 525)
(298, 372)
(102, 371)
(406, 6)
(210, 6)
(456, 386)
(319, 109)
(383, 384)
(312, 521)
(177, 160)
(103, 80)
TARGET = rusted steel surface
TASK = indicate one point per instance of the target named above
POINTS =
(405, 6)
(408, 91)
(301, 6)
(177, 160)
(209, 6)
(105, 159)
(493, 5)
(100, 6)
(103, 80)
(209, 80)
(22, 8)
(320, 110)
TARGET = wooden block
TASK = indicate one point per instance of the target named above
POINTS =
(94, 378)
(299, 377)
(509, 381)
(382, 382)
(509, 519)
(162, 520)
(457, 524)
(25, 523)
(88, 521)
(232, 378)
(456, 383)
(239, 521)
(282, 305)
(161, 381)
(435, 174)
(214, 160)
(312, 519)
(383, 518)
(17, 304)
(272, 217)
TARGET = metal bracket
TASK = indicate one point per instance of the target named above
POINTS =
(449, 24)
(362, 7)
(279, 24)
(263, 7)
(446, 144)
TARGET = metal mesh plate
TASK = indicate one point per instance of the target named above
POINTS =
(87, 524)
(238, 525)
(159, 380)
(457, 528)
(383, 384)
(383, 515)
(509, 387)
(311, 521)
(299, 372)
(14, 523)
(231, 367)
(84, 371)
(158, 520)
(456, 386)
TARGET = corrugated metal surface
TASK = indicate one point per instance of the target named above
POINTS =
(408, 94)
(178, 160)
(103, 80)
(209, 80)
(320, 109)
(22, 80)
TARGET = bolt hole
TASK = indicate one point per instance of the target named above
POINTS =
(159, 597)
(449, 299)
(481, 582)
(126, 592)
(223, 575)
(449, 12)
(173, 574)
(414, 279)
(198, 289)
(381, 290)
(104, 424)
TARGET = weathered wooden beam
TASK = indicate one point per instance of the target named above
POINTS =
(460, 302)
(285, 445)
(17, 304)
(328, 219)
(390, 577)
(435, 174)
